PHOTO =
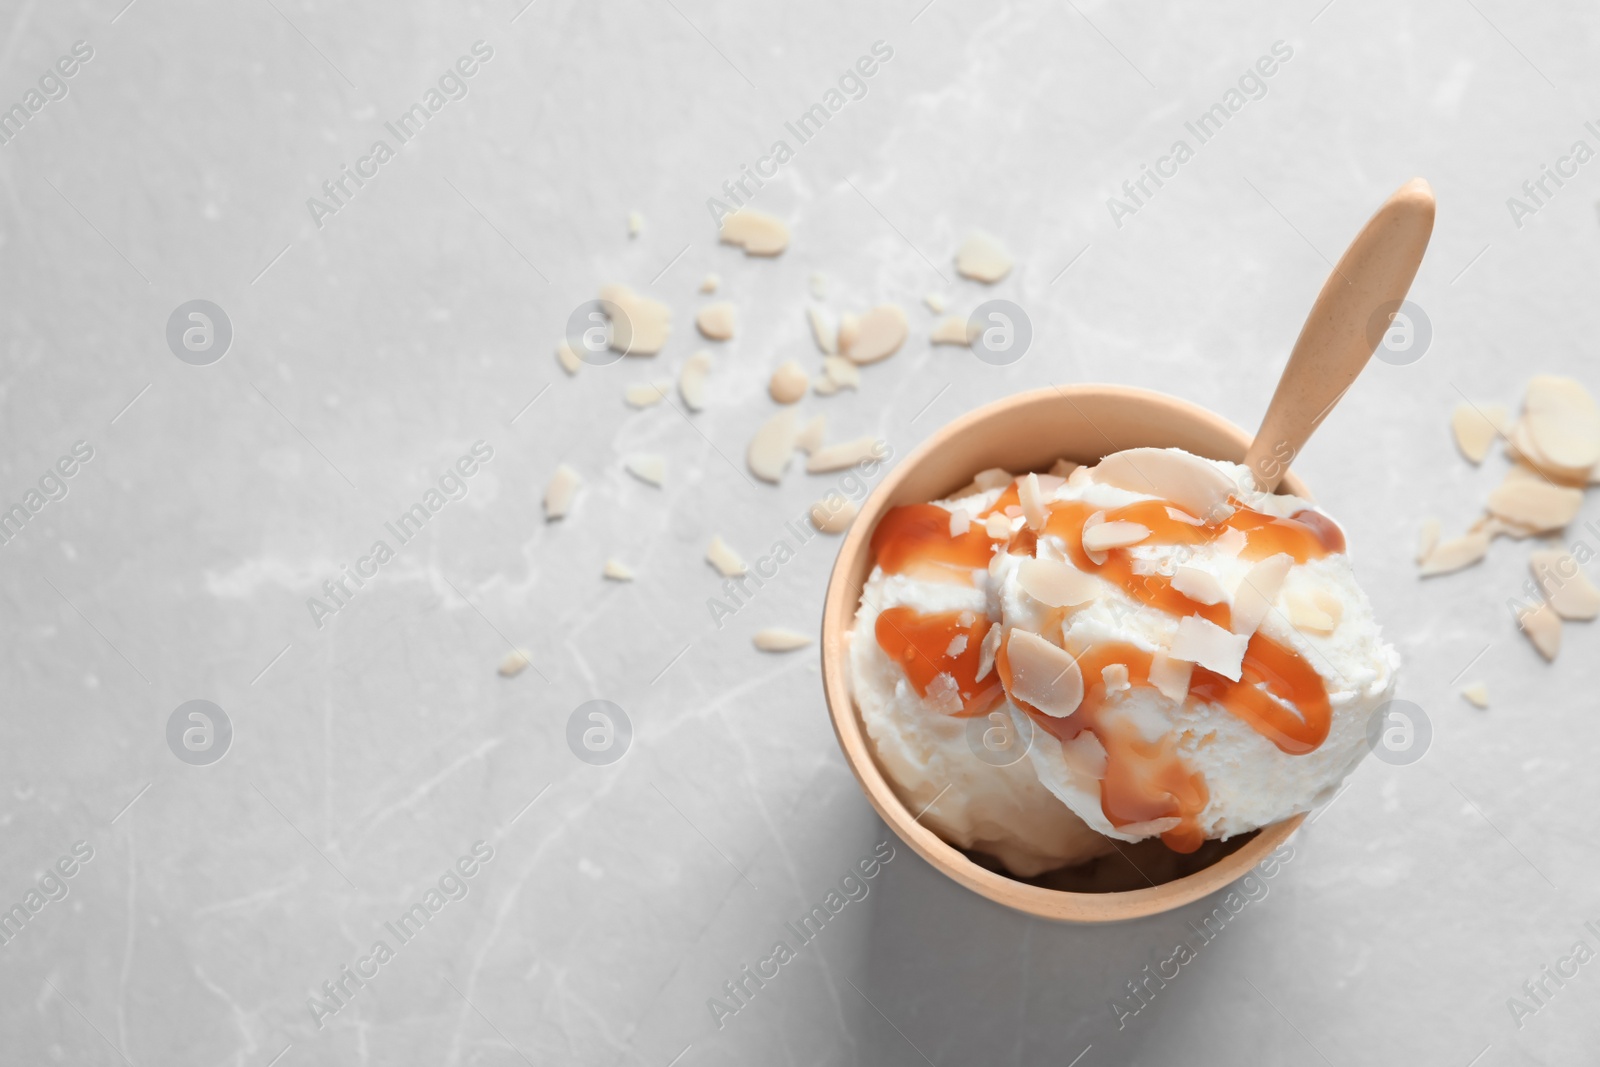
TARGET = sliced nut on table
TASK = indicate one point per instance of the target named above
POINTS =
(692, 380)
(983, 258)
(789, 382)
(772, 446)
(757, 233)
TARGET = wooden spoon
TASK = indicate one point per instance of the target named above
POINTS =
(1374, 273)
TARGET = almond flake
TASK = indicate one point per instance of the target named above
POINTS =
(1199, 586)
(618, 571)
(772, 446)
(833, 514)
(950, 330)
(568, 358)
(788, 383)
(1530, 500)
(559, 493)
(650, 469)
(1477, 694)
(710, 283)
(1306, 614)
(1032, 502)
(812, 434)
(1257, 593)
(716, 321)
(514, 663)
(776, 639)
(1188, 481)
(1056, 584)
(692, 380)
(822, 385)
(935, 302)
(823, 331)
(838, 457)
(1523, 450)
(1475, 428)
(644, 394)
(960, 522)
(982, 258)
(1201, 641)
(958, 645)
(1108, 535)
(1043, 675)
(1115, 677)
(876, 335)
(1171, 676)
(757, 233)
(992, 478)
(1543, 627)
(644, 324)
(998, 527)
(1427, 539)
(1562, 421)
(842, 374)
(1564, 585)
(1456, 553)
(986, 650)
(849, 330)
(1096, 556)
(725, 559)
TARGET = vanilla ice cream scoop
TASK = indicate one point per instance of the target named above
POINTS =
(1191, 657)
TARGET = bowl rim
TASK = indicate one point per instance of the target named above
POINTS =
(838, 614)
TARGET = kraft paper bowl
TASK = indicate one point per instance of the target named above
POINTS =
(1028, 432)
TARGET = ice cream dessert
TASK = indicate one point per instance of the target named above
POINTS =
(1185, 656)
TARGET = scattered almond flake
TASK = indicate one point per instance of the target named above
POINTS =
(1177, 477)
(935, 302)
(559, 493)
(1427, 538)
(644, 325)
(823, 330)
(1013, 511)
(1096, 556)
(849, 329)
(1044, 675)
(1086, 756)
(568, 358)
(635, 223)
(1204, 642)
(651, 469)
(1532, 501)
(789, 382)
(1477, 694)
(997, 526)
(993, 478)
(772, 446)
(1115, 677)
(1475, 428)
(1330, 604)
(1522, 448)
(716, 321)
(824, 386)
(644, 394)
(986, 650)
(1456, 553)
(1179, 515)
(1565, 587)
(944, 694)
(878, 335)
(1049, 483)
(710, 282)
(514, 663)
(1257, 592)
(1056, 584)
(846, 454)
(819, 285)
(960, 522)
(982, 258)
(692, 380)
(812, 434)
(1306, 614)
(777, 639)
(725, 559)
(1033, 511)
(958, 645)
(1492, 526)
(1198, 585)
(966, 619)
(1108, 535)
(618, 571)
(757, 233)
(842, 374)
(1543, 627)
(1063, 468)
(833, 514)
(1562, 422)
(950, 330)
(1230, 542)
(1170, 676)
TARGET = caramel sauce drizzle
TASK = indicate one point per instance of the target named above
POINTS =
(1279, 694)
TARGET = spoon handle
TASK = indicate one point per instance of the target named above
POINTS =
(1344, 327)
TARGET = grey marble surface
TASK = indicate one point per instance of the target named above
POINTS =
(370, 755)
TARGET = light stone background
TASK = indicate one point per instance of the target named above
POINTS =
(422, 317)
